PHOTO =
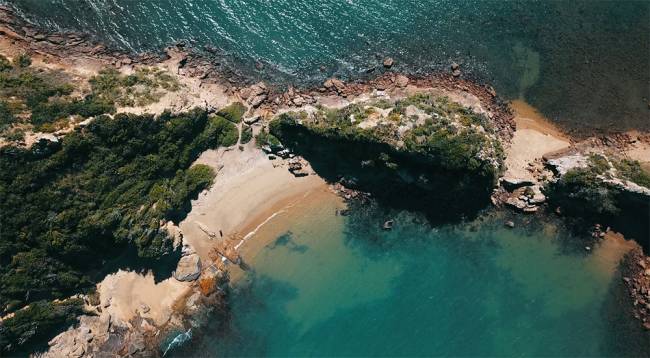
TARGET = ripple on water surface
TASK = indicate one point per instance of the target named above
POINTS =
(583, 63)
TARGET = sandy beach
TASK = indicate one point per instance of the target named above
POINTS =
(535, 137)
(247, 190)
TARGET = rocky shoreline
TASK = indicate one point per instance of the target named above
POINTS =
(636, 276)
(99, 335)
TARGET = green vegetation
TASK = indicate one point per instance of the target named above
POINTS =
(4, 64)
(584, 192)
(632, 171)
(581, 193)
(233, 112)
(138, 89)
(45, 101)
(598, 164)
(67, 207)
(453, 136)
(265, 138)
(42, 99)
(228, 133)
(246, 134)
(22, 61)
(442, 160)
(443, 108)
(37, 321)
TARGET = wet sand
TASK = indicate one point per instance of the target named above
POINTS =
(248, 187)
(535, 136)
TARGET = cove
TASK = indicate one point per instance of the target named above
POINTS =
(323, 284)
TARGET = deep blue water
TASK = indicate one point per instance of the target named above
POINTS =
(585, 64)
(332, 285)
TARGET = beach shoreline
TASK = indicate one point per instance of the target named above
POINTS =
(250, 190)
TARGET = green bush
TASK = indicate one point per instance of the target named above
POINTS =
(101, 190)
(222, 131)
(37, 321)
(631, 170)
(138, 89)
(581, 193)
(23, 60)
(265, 138)
(598, 164)
(233, 112)
(6, 116)
(246, 134)
(4, 64)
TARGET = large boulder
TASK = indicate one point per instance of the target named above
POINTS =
(511, 184)
(401, 81)
(188, 268)
(562, 165)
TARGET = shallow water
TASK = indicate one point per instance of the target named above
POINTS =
(328, 285)
(584, 63)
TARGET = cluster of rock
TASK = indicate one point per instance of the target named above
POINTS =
(66, 44)
(561, 165)
(296, 165)
(335, 86)
(636, 276)
(270, 99)
(189, 266)
(100, 336)
(523, 195)
(342, 189)
(254, 95)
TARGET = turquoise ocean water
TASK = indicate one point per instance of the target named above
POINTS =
(328, 285)
(584, 63)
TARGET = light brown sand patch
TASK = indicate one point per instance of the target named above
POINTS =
(247, 186)
(611, 250)
(535, 136)
(129, 292)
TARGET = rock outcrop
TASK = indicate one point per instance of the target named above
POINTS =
(398, 150)
(255, 95)
(636, 276)
(189, 267)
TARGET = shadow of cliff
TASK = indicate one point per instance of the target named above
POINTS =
(404, 181)
(626, 336)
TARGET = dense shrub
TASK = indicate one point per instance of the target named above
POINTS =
(581, 193)
(5, 64)
(138, 89)
(631, 170)
(6, 116)
(233, 112)
(265, 138)
(103, 188)
(23, 60)
(37, 321)
(246, 134)
(67, 207)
